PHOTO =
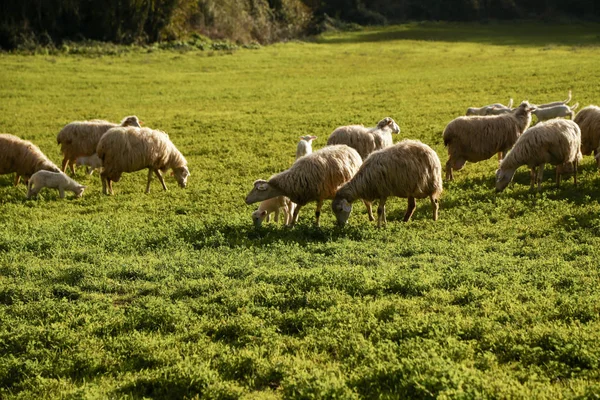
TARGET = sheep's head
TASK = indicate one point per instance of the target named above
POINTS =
(181, 174)
(342, 209)
(132, 120)
(526, 107)
(79, 190)
(388, 123)
(308, 138)
(262, 190)
(471, 111)
(503, 178)
(258, 217)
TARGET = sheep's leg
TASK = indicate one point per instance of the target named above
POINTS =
(532, 178)
(412, 204)
(295, 217)
(318, 212)
(369, 210)
(540, 177)
(110, 188)
(435, 206)
(160, 178)
(500, 156)
(65, 161)
(61, 192)
(104, 188)
(449, 176)
(277, 216)
(575, 171)
(381, 213)
(149, 180)
(71, 167)
(17, 179)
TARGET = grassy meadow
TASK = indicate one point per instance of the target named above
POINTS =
(176, 295)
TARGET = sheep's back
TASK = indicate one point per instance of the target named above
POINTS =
(355, 136)
(408, 168)
(80, 138)
(317, 176)
(588, 120)
(22, 156)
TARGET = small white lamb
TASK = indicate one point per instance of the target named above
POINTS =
(92, 163)
(55, 180)
(304, 145)
(273, 205)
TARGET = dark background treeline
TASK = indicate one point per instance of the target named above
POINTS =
(49, 22)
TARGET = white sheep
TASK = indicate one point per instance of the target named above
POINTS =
(23, 157)
(314, 177)
(489, 109)
(92, 163)
(555, 142)
(555, 103)
(304, 145)
(478, 138)
(561, 110)
(80, 138)
(273, 205)
(129, 149)
(408, 169)
(588, 120)
(56, 180)
(365, 140)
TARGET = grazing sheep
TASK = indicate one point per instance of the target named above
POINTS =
(273, 205)
(588, 120)
(91, 162)
(57, 180)
(408, 169)
(489, 109)
(304, 146)
(129, 149)
(365, 140)
(80, 138)
(555, 103)
(314, 177)
(556, 142)
(478, 138)
(23, 157)
(562, 110)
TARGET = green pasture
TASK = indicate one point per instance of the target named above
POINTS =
(176, 295)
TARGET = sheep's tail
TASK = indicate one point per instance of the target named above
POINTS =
(569, 99)
(574, 106)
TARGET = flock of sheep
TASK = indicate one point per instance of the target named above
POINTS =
(357, 163)
(363, 163)
(113, 148)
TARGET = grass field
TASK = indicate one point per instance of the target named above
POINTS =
(175, 294)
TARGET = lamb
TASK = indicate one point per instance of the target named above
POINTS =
(562, 110)
(23, 157)
(80, 138)
(487, 110)
(92, 162)
(130, 149)
(304, 146)
(556, 142)
(365, 140)
(588, 120)
(273, 205)
(57, 180)
(478, 138)
(408, 169)
(314, 177)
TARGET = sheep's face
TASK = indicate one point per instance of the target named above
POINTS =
(503, 178)
(258, 217)
(387, 122)
(181, 175)
(342, 209)
(259, 192)
(79, 191)
(308, 138)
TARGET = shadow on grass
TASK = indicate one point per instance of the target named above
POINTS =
(522, 33)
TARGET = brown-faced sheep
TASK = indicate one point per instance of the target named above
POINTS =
(477, 138)
(314, 177)
(407, 169)
(23, 157)
(80, 138)
(588, 120)
(555, 142)
(365, 140)
(129, 149)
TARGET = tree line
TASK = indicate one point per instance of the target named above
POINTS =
(49, 22)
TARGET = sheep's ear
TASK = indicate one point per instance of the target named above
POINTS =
(263, 213)
(261, 184)
(312, 137)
